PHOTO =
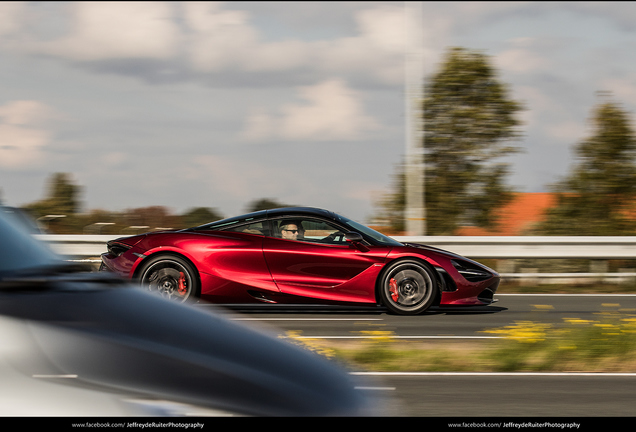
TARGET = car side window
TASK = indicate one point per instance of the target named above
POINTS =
(308, 230)
(258, 228)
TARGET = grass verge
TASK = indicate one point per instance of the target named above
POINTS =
(604, 345)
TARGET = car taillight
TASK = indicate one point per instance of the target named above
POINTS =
(116, 249)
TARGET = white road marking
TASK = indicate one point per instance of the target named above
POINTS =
(376, 388)
(54, 376)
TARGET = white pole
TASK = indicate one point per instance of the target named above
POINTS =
(415, 209)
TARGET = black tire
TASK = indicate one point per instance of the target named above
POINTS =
(407, 287)
(171, 277)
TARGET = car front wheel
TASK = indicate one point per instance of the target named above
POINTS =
(407, 287)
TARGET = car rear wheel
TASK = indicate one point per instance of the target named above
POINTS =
(407, 287)
(171, 277)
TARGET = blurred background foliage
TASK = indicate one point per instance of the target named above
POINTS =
(470, 124)
(60, 213)
(597, 197)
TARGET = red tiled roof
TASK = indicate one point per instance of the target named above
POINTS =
(523, 212)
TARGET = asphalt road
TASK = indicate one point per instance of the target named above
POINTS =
(472, 395)
(451, 323)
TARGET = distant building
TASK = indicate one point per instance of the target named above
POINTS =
(518, 217)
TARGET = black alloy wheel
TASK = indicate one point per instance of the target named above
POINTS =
(171, 277)
(408, 287)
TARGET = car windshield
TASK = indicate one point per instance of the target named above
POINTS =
(375, 236)
(20, 251)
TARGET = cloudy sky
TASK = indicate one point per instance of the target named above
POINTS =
(218, 104)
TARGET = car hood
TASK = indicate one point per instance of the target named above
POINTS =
(449, 254)
(434, 249)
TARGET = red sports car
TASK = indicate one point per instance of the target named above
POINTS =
(299, 256)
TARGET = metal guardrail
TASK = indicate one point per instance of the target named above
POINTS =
(77, 246)
(476, 247)
(520, 247)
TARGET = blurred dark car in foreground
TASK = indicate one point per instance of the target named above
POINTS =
(22, 218)
(295, 256)
(69, 338)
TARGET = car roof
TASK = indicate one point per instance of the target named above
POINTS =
(270, 213)
(305, 211)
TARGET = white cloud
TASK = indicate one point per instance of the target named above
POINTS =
(522, 57)
(566, 132)
(222, 39)
(259, 126)
(544, 112)
(115, 30)
(22, 137)
(623, 89)
(384, 27)
(238, 178)
(521, 61)
(115, 159)
(378, 51)
(206, 37)
(330, 111)
(10, 14)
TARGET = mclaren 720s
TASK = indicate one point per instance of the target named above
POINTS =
(299, 256)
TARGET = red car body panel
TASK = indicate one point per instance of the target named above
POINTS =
(241, 267)
(328, 272)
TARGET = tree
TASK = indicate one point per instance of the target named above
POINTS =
(152, 218)
(469, 123)
(62, 197)
(59, 209)
(598, 195)
(200, 216)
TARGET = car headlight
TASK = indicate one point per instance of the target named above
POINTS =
(470, 271)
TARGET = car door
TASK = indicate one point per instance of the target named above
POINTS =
(320, 262)
(234, 264)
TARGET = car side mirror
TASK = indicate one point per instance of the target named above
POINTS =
(353, 237)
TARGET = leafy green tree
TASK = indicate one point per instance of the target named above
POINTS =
(62, 201)
(62, 197)
(597, 197)
(470, 122)
(200, 216)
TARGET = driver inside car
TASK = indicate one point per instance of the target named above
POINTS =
(291, 230)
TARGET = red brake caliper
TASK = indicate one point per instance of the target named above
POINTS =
(393, 289)
(182, 284)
